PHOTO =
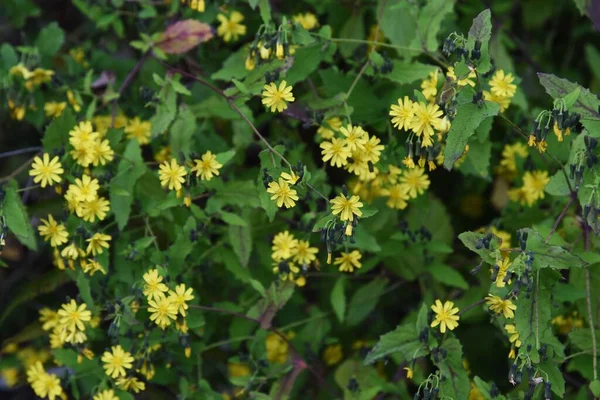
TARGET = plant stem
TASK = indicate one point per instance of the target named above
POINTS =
(560, 217)
(588, 299)
(20, 151)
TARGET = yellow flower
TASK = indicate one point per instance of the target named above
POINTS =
(196, 5)
(72, 252)
(462, 82)
(207, 167)
(303, 253)
(346, 207)
(92, 266)
(20, 70)
(44, 384)
(333, 354)
(101, 153)
(502, 272)
(85, 189)
(508, 163)
(559, 133)
(238, 369)
(46, 171)
(429, 86)
(153, 286)
(328, 129)
(397, 196)
(500, 306)
(72, 99)
(49, 319)
(10, 375)
(276, 98)
(372, 149)
(138, 130)
(277, 348)
(172, 176)
(290, 178)
(409, 372)
(162, 311)
(54, 109)
(415, 181)
(16, 111)
(131, 384)
(426, 118)
(514, 335)
(53, 232)
(403, 113)
(336, 151)
(97, 243)
(107, 394)
(82, 135)
(286, 270)
(348, 261)
(354, 137)
(72, 316)
(308, 21)
(231, 28)
(90, 210)
(179, 297)
(117, 361)
(501, 84)
(163, 154)
(504, 102)
(282, 193)
(534, 184)
(37, 77)
(284, 245)
(445, 315)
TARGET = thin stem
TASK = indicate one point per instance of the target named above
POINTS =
(149, 229)
(18, 170)
(128, 79)
(224, 342)
(560, 217)
(580, 353)
(470, 307)
(20, 151)
(588, 299)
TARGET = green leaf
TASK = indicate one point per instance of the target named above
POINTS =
(403, 340)
(165, 112)
(364, 301)
(468, 118)
(407, 72)
(448, 276)
(547, 256)
(586, 104)
(265, 11)
(83, 284)
(481, 30)
(454, 380)
(130, 169)
(320, 224)
(595, 387)
(338, 298)
(430, 20)
(233, 265)
(554, 376)
(398, 23)
(367, 378)
(56, 135)
(471, 239)
(558, 185)
(182, 131)
(354, 28)
(307, 60)
(240, 238)
(224, 157)
(593, 59)
(50, 40)
(17, 220)
(572, 97)
(8, 57)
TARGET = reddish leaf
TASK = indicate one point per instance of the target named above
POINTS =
(184, 35)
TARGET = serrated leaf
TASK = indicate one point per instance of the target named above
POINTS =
(481, 30)
(17, 219)
(403, 340)
(182, 131)
(56, 135)
(448, 276)
(548, 256)
(586, 104)
(455, 381)
(50, 40)
(240, 238)
(364, 301)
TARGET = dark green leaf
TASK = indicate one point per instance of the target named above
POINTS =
(56, 135)
(17, 219)
(364, 301)
(338, 298)
(587, 103)
(50, 40)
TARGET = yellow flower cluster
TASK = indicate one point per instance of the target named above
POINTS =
(68, 324)
(534, 184)
(281, 191)
(288, 253)
(164, 309)
(89, 146)
(333, 354)
(55, 109)
(566, 323)
(116, 363)
(172, 175)
(508, 164)
(43, 383)
(33, 78)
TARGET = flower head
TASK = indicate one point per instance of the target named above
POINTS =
(276, 98)
(426, 118)
(46, 171)
(354, 136)
(328, 129)
(97, 243)
(162, 310)
(180, 297)
(403, 113)
(534, 184)
(53, 232)
(282, 193)
(72, 316)
(445, 315)
(501, 84)
(337, 151)
(429, 86)
(346, 207)
(333, 354)
(107, 394)
(349, 261)
(462, 82)
(117, 361)
(138, 130)
(304, 254)
(514, 335)
(415, 181)
(284, 245)
(172, 175)
(207, 167)
(501, 306)
(153, 286)
(231, 28)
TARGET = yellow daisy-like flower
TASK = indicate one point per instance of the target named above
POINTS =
(45, 171)
(445, 315)
(333, 354)
(82, 135)
(508, 163)
(72, 316)
(308, 20)
(284, 245)
(107, 394)
(290, 178)
(138, 130)
(462, 82)
(49, 319)
(97, 243)
(85, 189)
(304, 254)
(117, 361)
(500, 306)
(71, 252)
(415, 181)
(282, 193)
(162, 311)
(172, 175)
(346, 207)
(180, 297)
(514, 335)
(328, 129)
(372, 149)
(426, 118)
(276, 98)
(336, 152)
(504, 102)
(54, 109)
(349, 261)
(92, 266)
(429, 86)
(46, 385)
(132, 384)
(207, 167)
(502, 272)
(403, 113)
(397, 196)
(101, 152)
(501, 84)
(90, 210)
(354, 136)
(196, 5)
(534, 184)
(231, 28)
(53, 232)
(153, 286)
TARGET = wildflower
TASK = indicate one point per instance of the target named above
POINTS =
(71, 252)
(97, 208)
(397, 196)
(179, 297)
(10, 376)
(117, 361)
(403, 113)
(54, 109)
(82, 135)
(500, 306)
(72, 316)
(534, 184)
(512, 353)
(162, 311)
(207, 167)
(153, 286)
(284, 245)
(333, 354)
(196, 5)
(501, 84)
(277, 98)
(72, 99)
(138, 130)
(559, 132)
(502, 272)
(349, 261)
(85, 189)
(97, 243)
(336, 151)
(20, 70)
(46, 171)
(426, 118)
(277, 348)
(44, 384)
(101, 153)
(53, 232)
(16, 111)
(238, 369)
(415, 181)
(107, 394)
(445, 315)
(290, 178)
(172, 175)
(354, 137)
(131, 384)
(304, 254)
(49, 319)
(372, 149)
(510, 152)
(282, 193)
(250, 64)
(462, 82)
(504, 102)
(163, 154)
(308, 20)
(429, 86)
(565, 324)
(286, 270)
(346, 207)
(328, 129)
(514, 335)
(518, 194)
(231, 28)
(92, 266)
(409, 372)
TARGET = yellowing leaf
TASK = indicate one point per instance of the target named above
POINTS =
(184, 35)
